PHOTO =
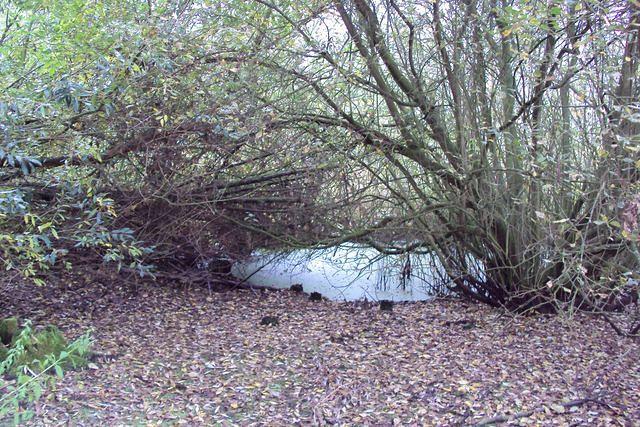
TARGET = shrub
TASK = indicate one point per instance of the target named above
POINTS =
(24, 366)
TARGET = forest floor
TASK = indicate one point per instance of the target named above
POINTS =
(175, 355)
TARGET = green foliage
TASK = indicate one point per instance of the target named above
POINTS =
(34, 351)
(56, 69)
(31, 242)
(45, 345)
(118, 246)
(25, 365)
(495, 135)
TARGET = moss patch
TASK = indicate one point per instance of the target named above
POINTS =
(8, 329)
(3, 352)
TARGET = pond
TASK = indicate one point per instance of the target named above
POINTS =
(348, 272)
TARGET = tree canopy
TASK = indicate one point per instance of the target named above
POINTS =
(500, 135)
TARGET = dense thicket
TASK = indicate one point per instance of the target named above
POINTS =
(123, 136)
(505, 132)
(500, 135)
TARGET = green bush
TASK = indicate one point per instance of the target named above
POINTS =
(45, 344)
(24, 366)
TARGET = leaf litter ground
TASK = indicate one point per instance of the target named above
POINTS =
(171, 355)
